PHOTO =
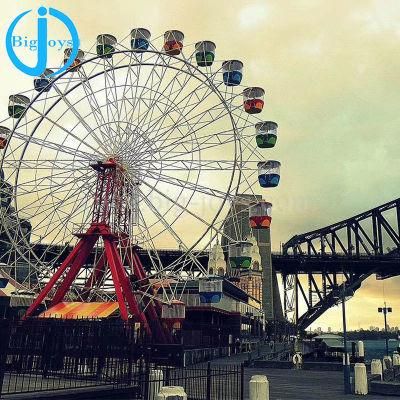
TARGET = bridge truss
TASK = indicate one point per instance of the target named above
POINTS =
(336, 260)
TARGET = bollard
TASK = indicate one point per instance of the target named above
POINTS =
(387, 363)
(155, 383)
(376, 367)
(348, 359)
(360, 379)
(259, 388)
(171, 393)
(298, 361)
(361, 352)
(396, 358)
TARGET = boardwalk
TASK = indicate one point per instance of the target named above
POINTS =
(305, 385)
(298, 385)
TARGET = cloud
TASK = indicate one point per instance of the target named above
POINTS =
(253, 15)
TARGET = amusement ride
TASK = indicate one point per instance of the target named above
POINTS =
(143, 143)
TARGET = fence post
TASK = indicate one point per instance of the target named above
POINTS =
(208, 381)
(146, 380)
(259, 388)
(167, 376)
(241, 381)
(155, 383)
(5, 334)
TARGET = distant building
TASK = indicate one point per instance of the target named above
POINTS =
(262, 274)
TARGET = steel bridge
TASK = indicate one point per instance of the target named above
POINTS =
(336, 259)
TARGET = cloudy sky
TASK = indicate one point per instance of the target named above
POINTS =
(331, 72)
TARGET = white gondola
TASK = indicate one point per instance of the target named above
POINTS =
(174, 312)
(240, 255)
(210, 290)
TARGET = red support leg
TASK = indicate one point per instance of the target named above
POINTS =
(118, 290)
(153, 308)
(115, 259)
(76, 265)
(42, 295)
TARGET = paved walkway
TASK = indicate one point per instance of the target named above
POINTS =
(305, 385)
(297, 384)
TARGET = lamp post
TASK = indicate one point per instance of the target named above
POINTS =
(346, 367)
(385, 310)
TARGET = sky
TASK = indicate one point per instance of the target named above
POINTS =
(330, 70)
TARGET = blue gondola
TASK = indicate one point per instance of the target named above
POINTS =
(41, 83)
(232, 72)
(210, 290)
(269, 173)
(140, 39)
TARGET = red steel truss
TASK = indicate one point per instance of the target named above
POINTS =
(111, 221)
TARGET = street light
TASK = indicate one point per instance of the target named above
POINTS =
(341, 297)
(385, 310)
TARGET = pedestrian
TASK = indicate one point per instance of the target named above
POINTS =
(237, 346)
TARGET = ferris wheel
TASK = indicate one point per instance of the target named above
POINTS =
(143, 143)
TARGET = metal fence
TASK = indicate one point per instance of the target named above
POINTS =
(38, 356)
(207, 382)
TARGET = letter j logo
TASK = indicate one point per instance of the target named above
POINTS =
(41, 63)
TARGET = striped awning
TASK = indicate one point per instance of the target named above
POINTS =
(75, 310)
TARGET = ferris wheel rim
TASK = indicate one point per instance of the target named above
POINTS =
(191, 66)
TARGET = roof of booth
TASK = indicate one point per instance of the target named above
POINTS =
(75, 310)
(8, 285)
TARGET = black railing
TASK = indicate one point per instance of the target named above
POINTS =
(205, 382)
(48, 355)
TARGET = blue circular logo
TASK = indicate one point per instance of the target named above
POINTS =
(42, 43)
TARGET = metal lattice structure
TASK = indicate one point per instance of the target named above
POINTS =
(131, 148)
(344, 253)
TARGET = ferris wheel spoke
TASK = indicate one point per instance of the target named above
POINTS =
(52, 145)
(158, 266)
(165, 196)
(155, 91)
(215, 114)
(42, 201)
(55, 221)
(38, 164)
(194, 187)
(172, 103)
(181, 111)
(54, 123)
(95, 106)
(169, 228)
(199, 116)
(202, 165)
(50, 207)
(169, 87)
(111, 98)
(208, 92)
(74, 110)
(159, 62)
(82, 206)
(38, 181)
